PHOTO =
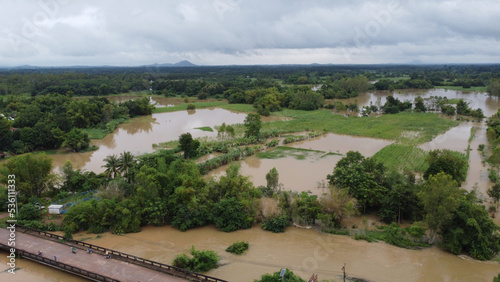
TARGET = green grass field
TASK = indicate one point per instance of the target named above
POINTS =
(401, 157)
(425, 125)
(460, 88)
(245, 108)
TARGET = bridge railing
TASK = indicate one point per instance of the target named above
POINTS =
(60, 265)
(173, 270)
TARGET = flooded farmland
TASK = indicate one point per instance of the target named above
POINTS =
(303, 251)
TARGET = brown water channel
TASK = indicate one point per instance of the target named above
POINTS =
(303, 251)
(27, 270)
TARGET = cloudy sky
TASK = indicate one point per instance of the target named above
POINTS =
(226, 32)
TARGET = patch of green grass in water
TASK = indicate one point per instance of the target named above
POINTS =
(282, 152)
(205, 128)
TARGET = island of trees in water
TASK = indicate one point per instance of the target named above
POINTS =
(63, 108)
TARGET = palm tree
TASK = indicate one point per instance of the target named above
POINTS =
(125, 163)
(112, 165)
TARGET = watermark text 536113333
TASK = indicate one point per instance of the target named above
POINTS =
(11, 222)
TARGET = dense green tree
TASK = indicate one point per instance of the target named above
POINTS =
(28, 116)
(188, 145)
(362, 177)
(306, 208)
(253, 125)
(29, 212)
(419, 105)
(229, 215)
(76, 140)
(400, 203)
(5, 134)
(84, 113)
(440, 198)
(306, 100)
(201, 261)
(471, 230)
(394, 105)
(32, 173)
(494, 87)
(448, 162)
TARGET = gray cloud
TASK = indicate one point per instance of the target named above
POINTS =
(63, 32)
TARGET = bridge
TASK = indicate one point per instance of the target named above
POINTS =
(56, 253)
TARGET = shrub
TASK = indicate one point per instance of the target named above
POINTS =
(201, 261)
(238, 247)
(275, 224)
(191, 106)
(289, 276)
(29, 212)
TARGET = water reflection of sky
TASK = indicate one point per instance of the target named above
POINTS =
(489, 105)
(138, 135)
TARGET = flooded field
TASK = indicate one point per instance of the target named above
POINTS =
(139, 134)
(489, 105)
(303, 251)
(307, 174)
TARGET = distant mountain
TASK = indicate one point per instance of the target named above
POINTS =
(184, 63)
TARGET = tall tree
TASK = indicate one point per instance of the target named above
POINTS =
(272, 178)
(188, 145)
(125, 163)
(253, 125)
(362, 177)
(5, 134)
(32, 173)
(448, 162)
(440, 198)
(112, 166)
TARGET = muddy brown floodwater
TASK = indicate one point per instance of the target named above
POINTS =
(308, 174)
(303, 251)
(489, 105)
(27, 270)
(139, 134)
